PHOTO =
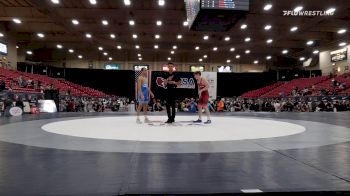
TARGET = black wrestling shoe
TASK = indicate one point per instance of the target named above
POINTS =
(197, 121)
(169, 121)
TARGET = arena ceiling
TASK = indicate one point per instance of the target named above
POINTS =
(54, 22)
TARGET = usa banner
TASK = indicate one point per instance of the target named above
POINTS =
(186, 89)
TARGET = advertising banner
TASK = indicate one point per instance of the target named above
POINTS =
(212, 79)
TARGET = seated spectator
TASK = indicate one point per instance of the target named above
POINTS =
(221, 105)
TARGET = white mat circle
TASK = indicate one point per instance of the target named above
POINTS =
(125, 128)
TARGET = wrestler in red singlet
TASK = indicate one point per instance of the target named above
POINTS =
(203, 93)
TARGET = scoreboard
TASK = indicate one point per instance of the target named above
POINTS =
(225, 4)
(215, 15)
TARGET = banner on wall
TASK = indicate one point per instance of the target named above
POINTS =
(339, 55)
(186, 89)
(212, 78)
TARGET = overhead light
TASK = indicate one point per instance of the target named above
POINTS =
(256, 62)
(227, 39)
(71, 51)
(131, 22)
(267, 7)
(134, 36)
(294, 28)
(161, 2)
(247, 39)
(284, 51)
(29, 52)
(232, 49)
(88, 35)
(127, 2)
(157, 36)
(174, 47)
(59, 46)
(105, 22)
(140, 58)
(228, 61)
(156, 46)
(205, 37)
(119, 47)
(41, 35)
(185, 23)
(105, 53)
(179, 36)
(247, 51)
(17, 47)
(205, 56)
(139, 55)
(215, 48)
(172, 52)
(75, 21)
(200, 60)
(110, 58)
(316, 51)
(269, 41)
(16, 20)
(55, 1)
(309, 43)
(302, 58)
(341, 31)
(267, 27)
(342, 44)
(100, 48)
(298, 8)
(80, 56)
(93, 2)
(330, 10)
(268, 57)
(1, 35)
(112, 36)
(137, 46)
(159, 23)
(244, 26)
(169, 59)
(196, 48)
(238, 56)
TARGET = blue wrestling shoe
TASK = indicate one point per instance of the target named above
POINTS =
(197, 121)
(208, 122)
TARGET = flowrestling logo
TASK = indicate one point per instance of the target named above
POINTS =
(308, 13)
(187, 83)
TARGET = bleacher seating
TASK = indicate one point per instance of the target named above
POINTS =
(261, 91)
(11, 79)
(278, 89)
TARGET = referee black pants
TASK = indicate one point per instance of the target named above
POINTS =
(170, 108)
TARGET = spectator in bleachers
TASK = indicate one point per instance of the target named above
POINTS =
(21, 82)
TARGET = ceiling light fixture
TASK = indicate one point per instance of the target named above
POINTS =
(29, 52)
(88, 35)
(161, 2)
(93, 2)
(105, 22)
(247, 39)
(269, 41)
(244, 26)
(100, 48)
(227, 39)
(159, 23)
(179, 36)
(157, 36)
(298, 8)
(205, 37)
(112, 36)
(256, 62)
(267, 7)
(342, 44)
(294, 28)
(131, 22)
(134, 36)
(309, 43)
(341, 31)
(75, 21)
(247, 51)
(127, 2)
(215, 48)
(16, 20)
(316, 52)
(71, 51)
(232, 49)
(41, 35)
(55, 1)
(238, 56)
(267, 27)
(284, 51)
(59, 46)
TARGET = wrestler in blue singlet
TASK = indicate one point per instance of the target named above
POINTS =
(145, 92)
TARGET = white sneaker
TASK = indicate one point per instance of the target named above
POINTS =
(147, 120)
(138, 121)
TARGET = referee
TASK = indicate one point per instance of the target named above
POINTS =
(172, 81)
